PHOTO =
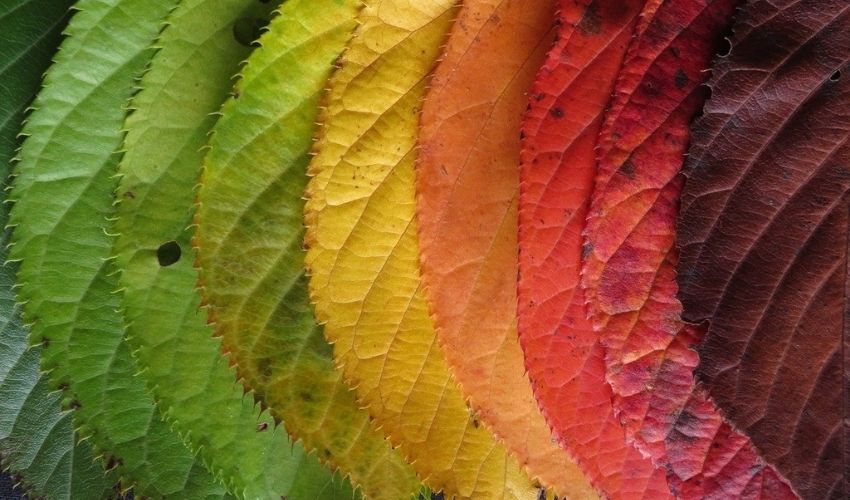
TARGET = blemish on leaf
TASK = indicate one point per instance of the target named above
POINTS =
(168, 253)
(591, 22)
(557, 112)
(628, 169)
(681, 79)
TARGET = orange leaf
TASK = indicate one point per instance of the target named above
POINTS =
(467, 188)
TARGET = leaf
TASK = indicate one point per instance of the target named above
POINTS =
(763, 234)
(363, 262)
(189, 78)
(36, 437)
(250, 234)
(629, 275)
(63, 195)
(467, 185)
(564, 357)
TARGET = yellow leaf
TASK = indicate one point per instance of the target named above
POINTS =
(363, 255)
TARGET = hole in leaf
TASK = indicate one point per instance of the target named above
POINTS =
(247, 30)
(724, 47)
(168, 253)
(835, 76)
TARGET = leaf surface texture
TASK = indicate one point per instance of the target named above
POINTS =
(189, 78)
(363, 255)
(763, 234)
(564, 357)
(467, 183)
(629, 272)
(250, 246)
(63, 196)
(36, 438)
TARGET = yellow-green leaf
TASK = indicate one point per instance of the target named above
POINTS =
(249, 240)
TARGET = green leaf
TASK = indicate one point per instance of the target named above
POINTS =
(63, 197)
(250, 236)
(36, 437)
(190, 77)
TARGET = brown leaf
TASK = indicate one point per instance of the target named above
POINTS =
(763, 234)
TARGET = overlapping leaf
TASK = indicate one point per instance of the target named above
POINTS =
(467, 184)
(189, 78)
(63, 195)
(629, 274)
(36, 438)
(563, 354)
(250, 244)
(363, 255)
(763, 233)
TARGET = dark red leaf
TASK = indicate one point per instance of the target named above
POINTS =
(763, 233)
(629, 272)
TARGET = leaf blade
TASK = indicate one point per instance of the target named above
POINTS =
(249, 240)
(189, 79)
(466, 192)
(629, 277)
(564, 357)
(54, 466)
(62, 193)
(786, 177)
(362, 192)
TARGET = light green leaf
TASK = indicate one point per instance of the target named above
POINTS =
(63, 196)
(36, 437)
(190, 77)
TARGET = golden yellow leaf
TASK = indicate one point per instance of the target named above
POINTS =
(363, 255)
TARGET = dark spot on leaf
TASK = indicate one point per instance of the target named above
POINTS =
(130, 195)
(557, 112)
(591, 22)
(45, 342)
(681, 79)
(75, 404)
(168, 253)
(586, 249)
(628, 169)
(264, 365)
(305, 396)
(835, 76)
(262, 426)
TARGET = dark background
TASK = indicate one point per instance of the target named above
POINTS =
(6, 490)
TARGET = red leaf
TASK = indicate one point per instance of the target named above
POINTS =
(763, 232)
(563, 356)
(629, 274)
